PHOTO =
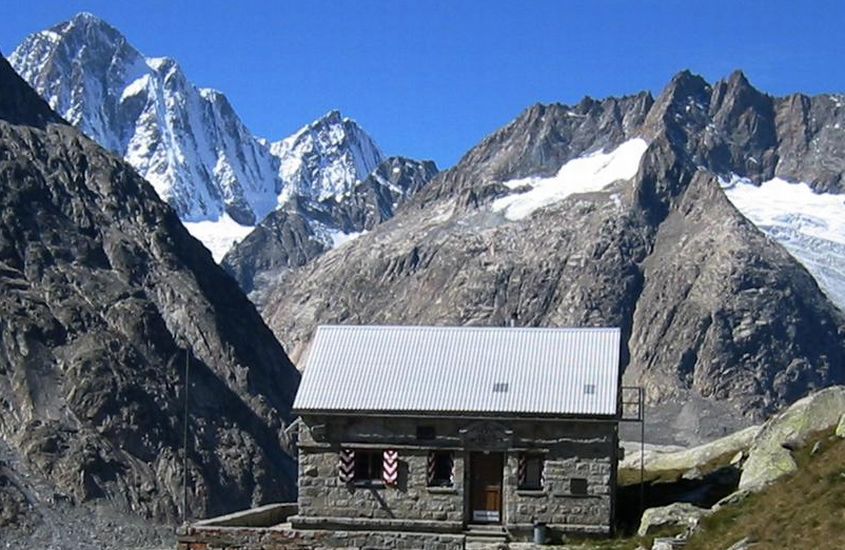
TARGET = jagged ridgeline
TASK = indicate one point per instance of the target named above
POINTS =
(302, 194)
(619, 212)
(303, 230)
(102, 294)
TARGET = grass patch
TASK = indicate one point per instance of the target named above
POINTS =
(805, 509)
(622, 542)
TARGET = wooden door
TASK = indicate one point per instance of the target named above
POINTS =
(486, 487)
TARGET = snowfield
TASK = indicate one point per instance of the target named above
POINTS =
(811, 226)
(585, 174)
(219, 235)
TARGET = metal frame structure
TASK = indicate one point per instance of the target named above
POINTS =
(632, 409)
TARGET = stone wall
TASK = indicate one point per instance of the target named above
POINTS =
(229, 538)
(322, 494)
(555, 504)
(572, 449)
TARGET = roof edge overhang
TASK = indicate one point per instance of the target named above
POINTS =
(459, 414)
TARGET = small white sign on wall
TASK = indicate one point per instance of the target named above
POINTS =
(485, 515)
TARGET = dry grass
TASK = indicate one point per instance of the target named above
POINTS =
(621, 542)
(803, 510)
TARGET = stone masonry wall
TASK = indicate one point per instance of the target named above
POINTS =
(322, 494)
(555, 504)
(581, 450)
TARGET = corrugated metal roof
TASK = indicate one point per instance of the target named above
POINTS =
(462, 370)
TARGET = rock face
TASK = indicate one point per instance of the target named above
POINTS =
(606, 213)
(104, 295)
(303, 230)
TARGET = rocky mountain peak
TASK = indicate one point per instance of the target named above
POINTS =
(303, 229)
(330, 118)
(91, 28)
(326, 158)
(735, 94)
(685, 101)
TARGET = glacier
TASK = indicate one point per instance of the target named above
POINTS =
(589, 173)
(811, 226)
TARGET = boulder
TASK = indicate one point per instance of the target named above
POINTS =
(678, 513)
(770, 455)
(668, 544)
(659, 459)
(734, 498)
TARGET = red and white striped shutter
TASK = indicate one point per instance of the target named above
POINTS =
(522, 470)
(429, 469)
(390, 467)
(346, 466)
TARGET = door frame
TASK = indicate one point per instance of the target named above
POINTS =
(469, 495)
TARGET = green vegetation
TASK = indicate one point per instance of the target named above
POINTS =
(805, 509)
(621, 542)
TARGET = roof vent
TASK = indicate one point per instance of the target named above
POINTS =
(589, 389)
(500, 387)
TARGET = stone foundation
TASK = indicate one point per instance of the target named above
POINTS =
(283, 537)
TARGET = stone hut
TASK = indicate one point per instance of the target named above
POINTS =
(459, 431)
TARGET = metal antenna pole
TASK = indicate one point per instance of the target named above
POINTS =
(185, 443)
(642, 451)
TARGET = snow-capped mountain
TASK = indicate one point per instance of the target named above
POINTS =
(326, 159)
(187, 141)
(300, 231)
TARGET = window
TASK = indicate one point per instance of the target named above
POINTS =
(578, 486)
(440, 466)
(368, 465)
(531, 471)
(500, 387)
(425, 433)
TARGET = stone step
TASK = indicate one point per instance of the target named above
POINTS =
(482, 544)
(485, 528)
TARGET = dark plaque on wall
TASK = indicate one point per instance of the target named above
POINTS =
(486, 435)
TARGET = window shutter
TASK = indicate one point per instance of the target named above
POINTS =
(451, 469)
(430, 468)
(391, 467)
(522, 471)
(542, 472)
(346, 466)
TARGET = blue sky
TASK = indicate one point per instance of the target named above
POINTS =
(431, 79)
